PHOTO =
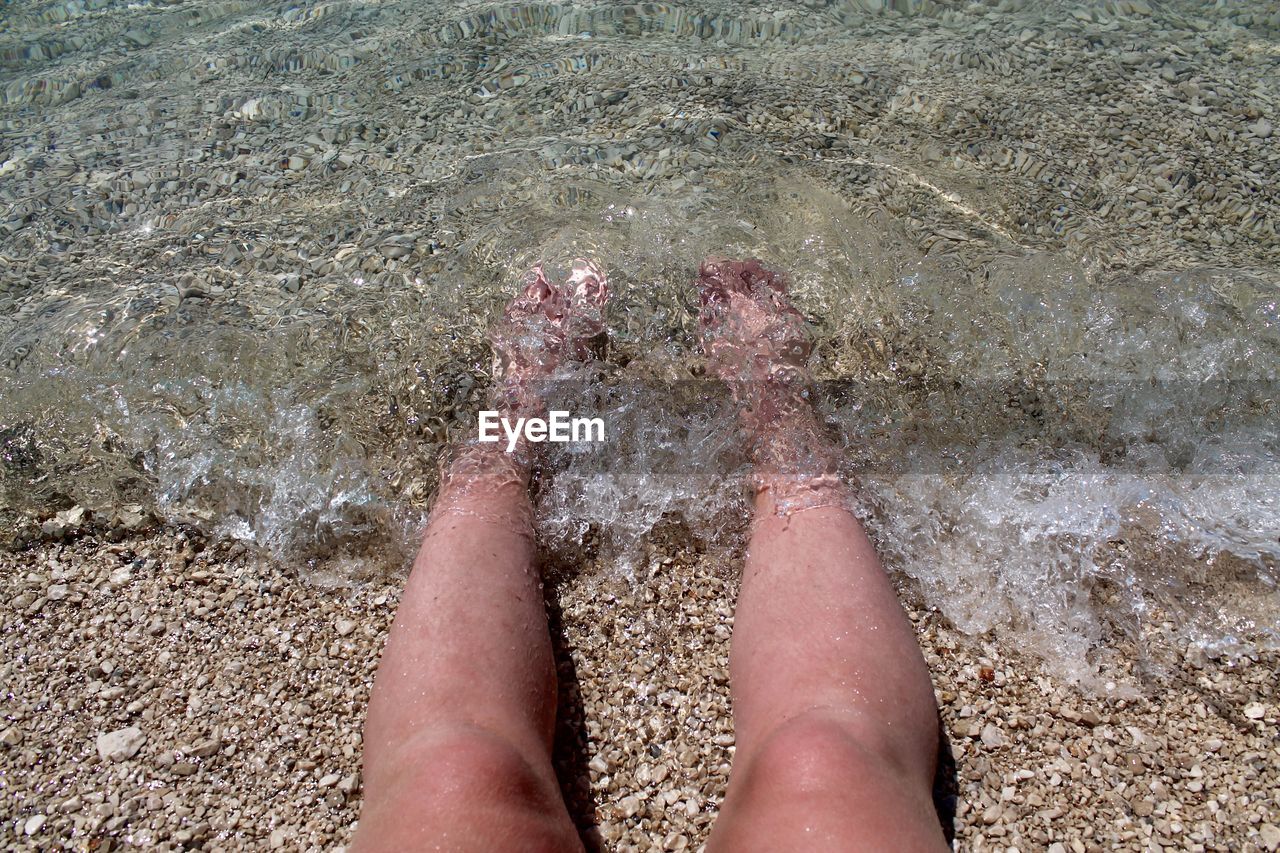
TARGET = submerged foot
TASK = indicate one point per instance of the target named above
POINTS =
(548, 324)
(759, 344)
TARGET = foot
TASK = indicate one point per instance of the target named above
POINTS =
(544, 327)
(758, 343)
(547, 325)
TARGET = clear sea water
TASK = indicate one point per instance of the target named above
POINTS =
(249, 252)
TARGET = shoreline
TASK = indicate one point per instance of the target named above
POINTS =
(248, 684)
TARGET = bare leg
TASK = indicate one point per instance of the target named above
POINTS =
(457, 745)
(833, 707)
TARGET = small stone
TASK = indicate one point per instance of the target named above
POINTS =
(276, 839)
(34, 824)
(1090, 717)
(1143, 808)
(57, 592)
(1261, 129)
(344, 627)
(72, 517)
(329, 780)
(296, 163)
(184, 768)
(630, 805)
(1268, 837)
(992, 737)
(11, 736)
(132, 518)
(598, 764)
(1254, 710)
(205, 748)
(120, 744)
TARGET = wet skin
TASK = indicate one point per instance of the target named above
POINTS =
(834, 713)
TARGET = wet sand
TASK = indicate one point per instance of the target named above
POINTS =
(166, 693)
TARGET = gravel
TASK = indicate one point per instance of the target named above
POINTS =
(184, 694)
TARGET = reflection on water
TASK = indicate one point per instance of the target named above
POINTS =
(249, 255)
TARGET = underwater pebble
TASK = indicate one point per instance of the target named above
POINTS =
(925, 98)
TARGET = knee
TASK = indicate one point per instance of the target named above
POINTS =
(466, 768)
(468, 782)
(818, 754)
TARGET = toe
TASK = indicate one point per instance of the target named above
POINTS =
(718, 279)
(536, 287)
(761, 277)
(584, 292)
(587, 285)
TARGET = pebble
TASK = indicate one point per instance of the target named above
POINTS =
(120, 744)
(659, 766)
(932, 103)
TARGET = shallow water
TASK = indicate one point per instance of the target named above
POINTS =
(250, 252)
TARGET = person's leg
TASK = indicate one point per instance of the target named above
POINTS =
(835, 720)
(457, 743)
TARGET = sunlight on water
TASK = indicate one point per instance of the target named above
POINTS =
(267, 315)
